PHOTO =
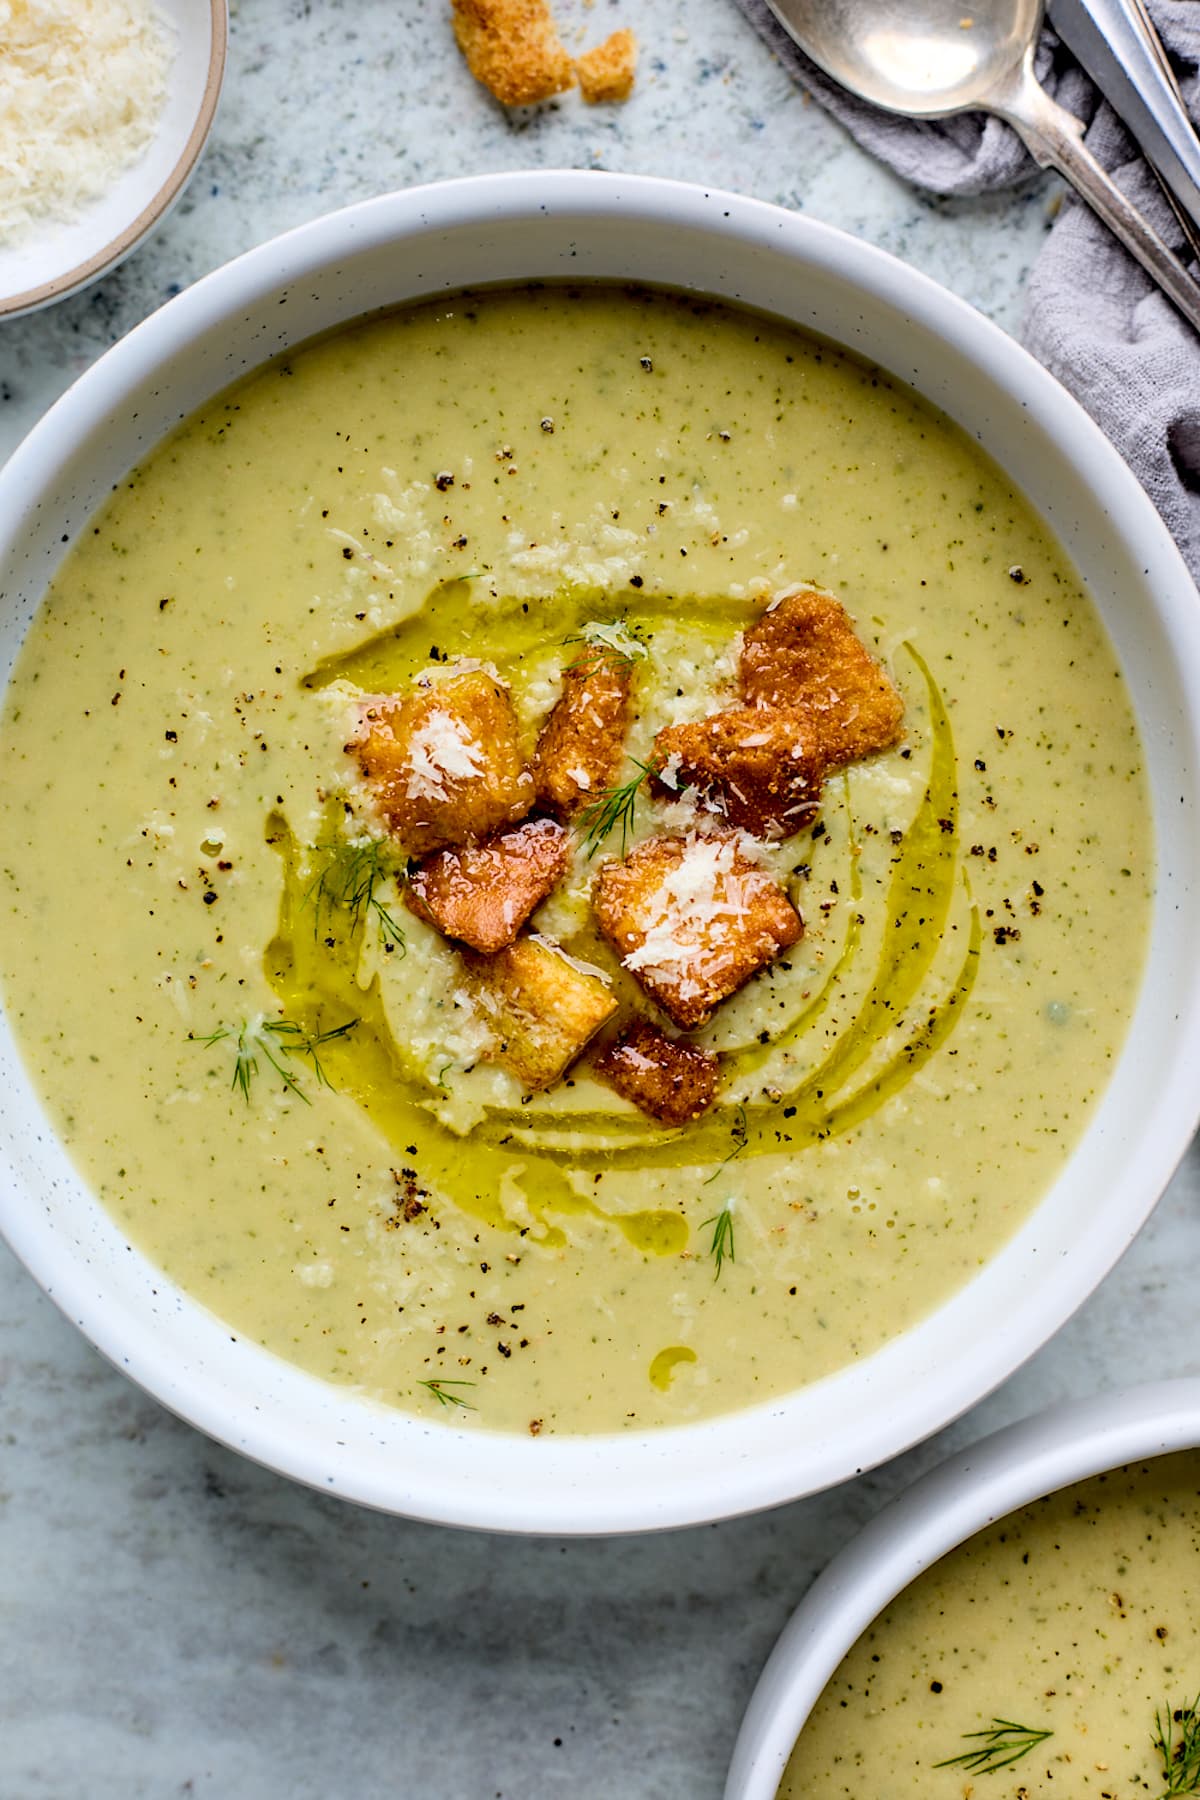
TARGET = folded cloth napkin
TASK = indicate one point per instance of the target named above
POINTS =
(1092, 316)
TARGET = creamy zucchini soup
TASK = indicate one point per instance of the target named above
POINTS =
(575, 859)
(1054, 1654)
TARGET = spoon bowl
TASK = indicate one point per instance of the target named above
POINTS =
(928, 59)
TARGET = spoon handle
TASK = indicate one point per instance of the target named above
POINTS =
(1054, 137)
(1118, 46)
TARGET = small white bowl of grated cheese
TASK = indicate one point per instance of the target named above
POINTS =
(105, 107)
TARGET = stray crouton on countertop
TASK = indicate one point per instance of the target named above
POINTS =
(607, 72)
(760, 770)
(804, 653)
(579, 748)
(542, 1007)
(483, 893)
(445, 760)
(513, 48)
(672, 1082)
(692, 919)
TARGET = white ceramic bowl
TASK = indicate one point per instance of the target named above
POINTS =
(61, 257)
(960, 1497)
(578, 226)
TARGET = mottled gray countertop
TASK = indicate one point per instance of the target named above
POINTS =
(176, 1621)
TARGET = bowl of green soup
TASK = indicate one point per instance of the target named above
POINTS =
(1026, 1611)
(598, 787)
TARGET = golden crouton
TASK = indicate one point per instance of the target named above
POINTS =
(483, 893)
(671, 1081)
(579, 748)
(445, 760)
(760, 770)
(692, 919)
(513, 48)
(804, 653)
(541, 1007)
(606, 73)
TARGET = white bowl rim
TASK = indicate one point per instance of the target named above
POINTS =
(70, 280)
(971, 1490)
(689, 1474)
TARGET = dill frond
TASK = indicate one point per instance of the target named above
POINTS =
(275, 1040)
(1180, 1754)
(1001, 1743)
(347, 884)
(739, 1131)
(612, 807)
(439, 1389)
(722, 1245)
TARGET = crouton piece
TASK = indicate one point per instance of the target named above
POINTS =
(513, 48)
(445, 761)
(578, 752)
(804, 653)
(483, 893)
(670, 1081)
(692, 919)
(542, 1007)
(606, 73)
(760, 770)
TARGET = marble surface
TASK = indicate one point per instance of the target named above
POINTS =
(176, 1621)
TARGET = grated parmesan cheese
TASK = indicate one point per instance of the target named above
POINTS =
(575, 962)
(704, 888)
(442, 749)
(82, 84)
(668, 774)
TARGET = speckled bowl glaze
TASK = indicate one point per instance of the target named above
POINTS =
(577, 226)
(960, 1497)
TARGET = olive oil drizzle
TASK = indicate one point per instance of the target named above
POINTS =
(752, 1056)
(459, 617)
(917, 907)
(318, 982)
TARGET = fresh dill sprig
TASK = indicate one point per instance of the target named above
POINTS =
(1180, 1754)
(274, 1040)
(739, 1131)
(614, 640)
(722, 1245)
(348, 880)
(613, 806)
(439, 1389)
(1001, 1743)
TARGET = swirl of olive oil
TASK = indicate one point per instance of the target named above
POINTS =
(316, 977)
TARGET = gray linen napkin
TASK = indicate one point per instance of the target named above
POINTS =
(1092, 316)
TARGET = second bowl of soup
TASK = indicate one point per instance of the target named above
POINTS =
(1022, 1621)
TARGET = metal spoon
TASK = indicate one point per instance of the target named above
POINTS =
(1117, 44)
(929, 58)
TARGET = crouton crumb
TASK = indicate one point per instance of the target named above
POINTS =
(692, 919)
(607, 72)
(760, 770)
(513, 48)
(670, 1081)
(579, 747)
(483, 893)
(444, 762)
(543, 1008)
(804, 654)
